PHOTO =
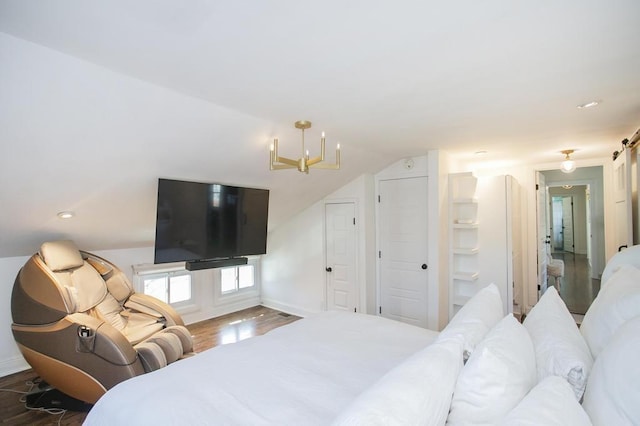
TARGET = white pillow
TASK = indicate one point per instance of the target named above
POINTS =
(618, 302)
(476, 317)
(613, 392)
(560, 348)
(496, 377)
(417, 391)
(550, 403)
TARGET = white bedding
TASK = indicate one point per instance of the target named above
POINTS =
(300, 374)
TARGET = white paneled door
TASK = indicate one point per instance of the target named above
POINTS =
(567, 225)
(543, 235)
(340, 234)
(402, 250)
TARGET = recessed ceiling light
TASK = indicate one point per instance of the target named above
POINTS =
(66, 215)
(589, 104)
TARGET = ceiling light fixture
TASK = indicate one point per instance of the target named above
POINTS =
(568, 165)
(589, 104)
(66, 215)
(567, 186)
(304, 163)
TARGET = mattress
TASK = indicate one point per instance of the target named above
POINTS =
(302, 373)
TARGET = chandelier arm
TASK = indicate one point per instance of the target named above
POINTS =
(326, 166)
(285, 160)
(282, 167)
(314, 160)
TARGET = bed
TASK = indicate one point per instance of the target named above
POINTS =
(302, 373)
(354, 369)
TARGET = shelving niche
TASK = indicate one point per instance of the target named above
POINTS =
(463, 243)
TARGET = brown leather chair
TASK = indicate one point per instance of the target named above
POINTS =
(80, 325)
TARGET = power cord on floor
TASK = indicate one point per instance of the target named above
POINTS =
(33, 383)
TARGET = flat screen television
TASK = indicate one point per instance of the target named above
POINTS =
(201, 221)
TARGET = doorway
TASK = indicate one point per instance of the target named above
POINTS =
(576, 230)
(563, 229)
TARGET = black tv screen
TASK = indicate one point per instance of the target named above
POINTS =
(199, 221)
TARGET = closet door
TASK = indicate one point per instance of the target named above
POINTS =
(402, 250)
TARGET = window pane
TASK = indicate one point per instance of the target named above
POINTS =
(228, 279)
(157, 287)
(245, 278)
(180, 289)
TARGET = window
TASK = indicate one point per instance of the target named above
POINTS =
(237, 278)
(168, 287)
(173, 287)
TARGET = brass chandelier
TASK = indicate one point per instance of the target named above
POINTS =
(304, 163)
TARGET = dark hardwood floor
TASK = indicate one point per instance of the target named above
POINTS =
(578, 289)
(206, 334)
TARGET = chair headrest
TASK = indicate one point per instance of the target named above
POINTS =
(61, 255)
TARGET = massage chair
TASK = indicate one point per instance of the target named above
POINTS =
(83, 329)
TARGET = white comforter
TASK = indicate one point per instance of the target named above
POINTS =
(300, 374)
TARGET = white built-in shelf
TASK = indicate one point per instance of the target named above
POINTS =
(465, 250)
(465, 200)
(473, 225)
(463, 239)
(465, 276)
(460, 300)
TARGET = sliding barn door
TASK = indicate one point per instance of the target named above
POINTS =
(402, 250)
(622, 198)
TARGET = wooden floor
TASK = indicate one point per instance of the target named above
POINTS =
(577, 288)
(206, 334)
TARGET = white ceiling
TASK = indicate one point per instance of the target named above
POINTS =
(100, 98)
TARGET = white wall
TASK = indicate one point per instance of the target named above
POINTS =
(293, 268)
(10, 358)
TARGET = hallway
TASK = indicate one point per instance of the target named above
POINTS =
(578, 289)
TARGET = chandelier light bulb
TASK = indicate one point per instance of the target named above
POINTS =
(568, 165)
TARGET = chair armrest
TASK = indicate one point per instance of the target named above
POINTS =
(155, 307)
(109, 343)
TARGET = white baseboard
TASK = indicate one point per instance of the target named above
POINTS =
(293, 310)
(13, 365)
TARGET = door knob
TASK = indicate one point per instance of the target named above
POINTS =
(424, 266)
(328, 269)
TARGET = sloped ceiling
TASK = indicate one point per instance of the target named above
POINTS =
(99, 99)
